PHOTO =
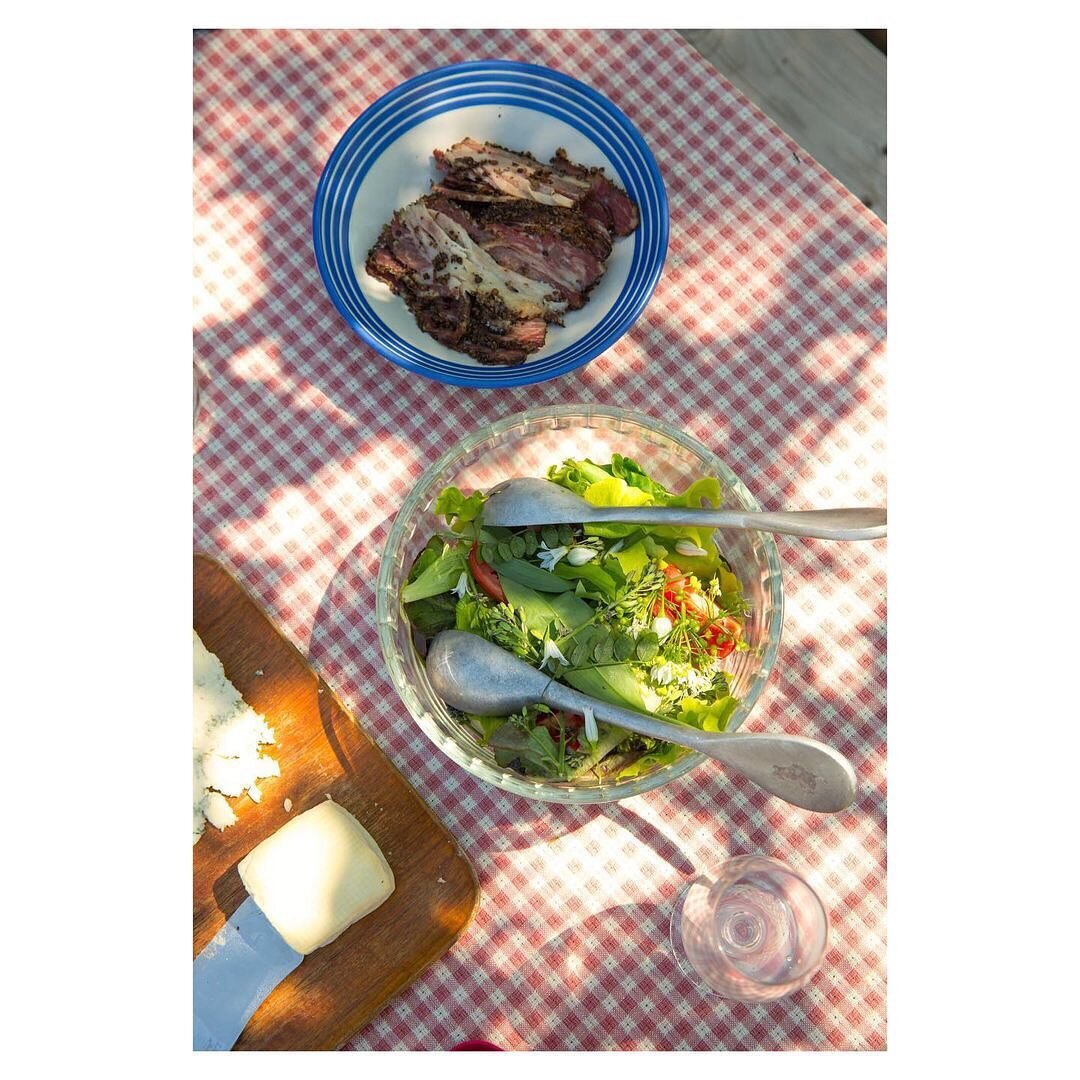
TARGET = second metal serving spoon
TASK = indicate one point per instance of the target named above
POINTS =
(532, 501)
(474, 675)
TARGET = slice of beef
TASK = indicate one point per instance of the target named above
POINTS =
(604, 204)
(486, 170)
(529, 249)
(529, 216)
(415, 255)
(490, 169)
(501, 248)
(495, 337)
(545, 256)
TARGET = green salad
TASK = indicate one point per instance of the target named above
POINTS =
(640, 617)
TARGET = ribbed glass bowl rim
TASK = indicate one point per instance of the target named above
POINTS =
(506, 779)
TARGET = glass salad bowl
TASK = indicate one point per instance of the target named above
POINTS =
(526, 445)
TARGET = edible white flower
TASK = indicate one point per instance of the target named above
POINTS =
(552, 652)
(684, 547)
(579, 556)
(590, 725)
(698, 682)
(661, 626)
(662, 674)
(550, 556)
(462, 586)
(699, 603)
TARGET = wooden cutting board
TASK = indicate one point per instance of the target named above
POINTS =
(323, 751)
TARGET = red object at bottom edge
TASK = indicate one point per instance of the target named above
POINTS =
(475, 1044)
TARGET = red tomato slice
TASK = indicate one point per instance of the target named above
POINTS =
(485, 577)
(722, 649)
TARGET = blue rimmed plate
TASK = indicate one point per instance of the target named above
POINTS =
(384, 161)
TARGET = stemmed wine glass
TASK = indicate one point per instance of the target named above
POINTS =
(754, 931)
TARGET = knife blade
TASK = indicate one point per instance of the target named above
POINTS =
(233, 975)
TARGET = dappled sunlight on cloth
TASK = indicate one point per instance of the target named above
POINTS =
(229, 265)
(765, 339)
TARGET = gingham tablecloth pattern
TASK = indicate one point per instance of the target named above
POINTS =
(764, 339)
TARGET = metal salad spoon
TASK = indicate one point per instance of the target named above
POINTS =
(532, 501)
(474, 675)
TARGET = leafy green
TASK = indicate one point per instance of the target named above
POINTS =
(615, 683)
(630, 471)
(468, 615)
(438, 577)
(709, 716)
(647, 646)
(432, 550)
(664, 754)
(458, 510)
(624, 646)
(701, 566)
(539, 611)
(525, 573)
(633, 559)
(610, 737)
(705, 491)
(486, 725)
(607, 486)
(535, 751)
(592, 573)
(433, 614)
(577, 475)
(436, 612)
(501, 624)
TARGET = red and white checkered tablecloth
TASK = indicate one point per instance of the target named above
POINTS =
(764, 340)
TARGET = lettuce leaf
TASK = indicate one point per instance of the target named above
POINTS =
(534, 577)
(705, 491)
(534, 751)
(577, 475)
(615, 683)
(614, 491)
(592, 573)
(486, 725)
(707, 715)
(433, 614)
(437, 577)
(541, 610)
(465, 615)
(629, 470)
(633, 559)
(664, 754)
(458, 510)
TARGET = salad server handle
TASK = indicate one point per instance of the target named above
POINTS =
(852, 523)
(801, 771)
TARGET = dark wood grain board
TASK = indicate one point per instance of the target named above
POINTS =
(323, 751)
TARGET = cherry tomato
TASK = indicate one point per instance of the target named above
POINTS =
(722, 649)
(485, 576)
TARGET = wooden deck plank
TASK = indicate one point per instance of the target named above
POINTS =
(825, 88)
